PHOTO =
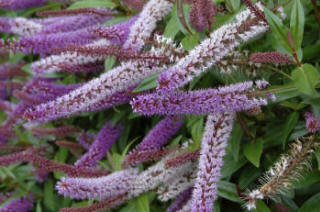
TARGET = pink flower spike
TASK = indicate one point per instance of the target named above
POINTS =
(312, 123)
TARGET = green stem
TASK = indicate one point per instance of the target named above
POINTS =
(279, 71)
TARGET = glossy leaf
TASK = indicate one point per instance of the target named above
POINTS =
(148, 83)
(305, 78)
(92, 4)
(312, 204)
(290, 123)
(278, 29)
(297, 23)
(142, 203)
(253, 151)
(228, 191)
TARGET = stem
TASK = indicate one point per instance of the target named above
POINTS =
(257, 93)
(244, 126)
(293, 48)
(279, 71)
(181, 16)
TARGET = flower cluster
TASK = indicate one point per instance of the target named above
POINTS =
(125, 65)
(214, 142)
(211, 50)
(201, 15)
(23, 204)
(236, 97)
(312, 123)
(279, 179)
(103, 142)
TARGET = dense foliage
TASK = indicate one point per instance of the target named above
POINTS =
(159, 105)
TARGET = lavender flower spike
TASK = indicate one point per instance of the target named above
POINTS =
(235, 97)
(115, 184)
(214, 141)
(221, 43)
(103, 142)
(20, 26)
(312, 123)
(181, 200)
(20, 4)
(46, 43)
(18, 205)
(171, 189)
(54, 63)
(161, 133)
(117, 34)
(116, 80)
(151, 13)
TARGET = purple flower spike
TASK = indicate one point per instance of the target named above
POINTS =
(47, 43)
(86, 139)
(71, 23)
(20, 4)
(201, 15)
(141, 30)
(37, 91)
(8, 70)
(103, 142)
(161, 133)
(42, 114)
(115, 184)
(214, 141)
(212, 50)
(312, 123)
(18, 205)
(231, 98)
(182, 199)
(117, 33)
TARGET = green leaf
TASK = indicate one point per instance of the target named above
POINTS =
(230, 166)
(248, 175)
(117, 160)
(278, 29)
(61, 156)
(228, 191)
(109, 63)
(290, 123)
(261, 207)
(297, 23)
(190, 41)
(253, 151)
(177, 20)
(284, 92)
(233, 5)
(234, 141)
(317, 154)
(148, 83)
(308, 179)
(172, 27)
(49, 198)
(142, 203)
(196, 131)
(38, 207)
(311, 205)
(92, 4)
(305, 78)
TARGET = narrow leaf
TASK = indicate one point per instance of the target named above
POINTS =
(290, 123)
(297, 23)
(278, 29)
(312, 204)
